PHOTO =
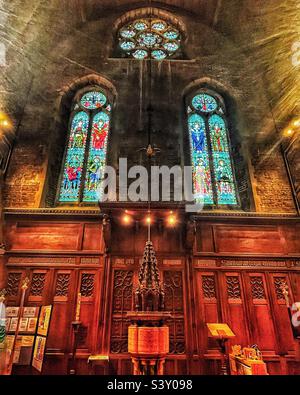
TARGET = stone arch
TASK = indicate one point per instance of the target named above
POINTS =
(66, 96)
(154, 12)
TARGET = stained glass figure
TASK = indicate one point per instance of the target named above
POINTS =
(97, 158)
(86, 150)
(144, 38)
(222, 162)
(200, 160)
(71, 182)
(213, 179)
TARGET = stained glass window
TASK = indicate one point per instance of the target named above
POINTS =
(97, 158)
(86, 151)
(213, 177)
(147, 38)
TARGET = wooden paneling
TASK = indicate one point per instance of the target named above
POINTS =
(44, 236)
(64, 258)
(247, 239)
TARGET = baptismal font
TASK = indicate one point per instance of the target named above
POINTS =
(148, 336)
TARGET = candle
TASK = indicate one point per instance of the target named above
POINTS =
(78, 306)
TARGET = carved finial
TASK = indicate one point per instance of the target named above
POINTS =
(25, 284)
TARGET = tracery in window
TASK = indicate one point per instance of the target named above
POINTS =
(149, 38)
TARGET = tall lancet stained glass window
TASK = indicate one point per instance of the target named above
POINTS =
(86, 151)
(213, 174)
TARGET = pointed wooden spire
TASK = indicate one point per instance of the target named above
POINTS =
(150, 294)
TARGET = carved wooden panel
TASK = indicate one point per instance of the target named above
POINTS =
(209, 287)
(173, 285)
(122, 291)
(37, 284)
(121, 303)
(13, 283)
(62, 284)
(233, 287)
(173, 291)
(257, 288)
(87, 285)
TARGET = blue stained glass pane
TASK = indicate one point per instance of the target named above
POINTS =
(71, 182)
(159, 25)
(158, 54)
(140, 54)
(149, 39)
(171, 47)
(202, 184)
(171, 34)
(93, 100)
(127, 32)
(127, 45)
(97, 158)
(140, 25)
(204, 103)
(226, 192)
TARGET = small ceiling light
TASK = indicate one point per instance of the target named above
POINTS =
(172, 220)
(126, 219)
(5, 122)
(296, 123)
(148, 219)
(288, 132)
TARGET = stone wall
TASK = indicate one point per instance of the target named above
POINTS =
(273, 190)
(213, 60)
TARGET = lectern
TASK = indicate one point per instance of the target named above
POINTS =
(221, 332)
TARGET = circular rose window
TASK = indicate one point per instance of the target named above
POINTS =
(149, 39)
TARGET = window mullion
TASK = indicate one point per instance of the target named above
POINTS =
(210, 157)
(86, 156)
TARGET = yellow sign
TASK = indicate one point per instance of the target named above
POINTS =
(44, 320)
(38, 354)
(98, 358)
(220, 331)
